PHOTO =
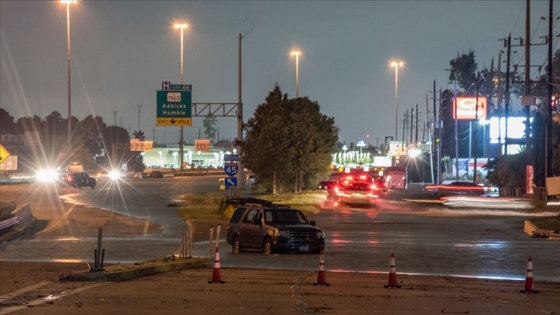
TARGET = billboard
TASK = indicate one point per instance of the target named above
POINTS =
(465, 108)
(515, 130)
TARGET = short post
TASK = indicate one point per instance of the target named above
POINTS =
(218, 234)
(99, 253)
(190, 235)
(211, 241)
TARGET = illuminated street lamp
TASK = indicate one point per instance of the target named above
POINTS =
(181, 26)
(68, 3)
(396, 64)
(297, 53)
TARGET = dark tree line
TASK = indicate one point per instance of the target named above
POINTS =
(44, 142)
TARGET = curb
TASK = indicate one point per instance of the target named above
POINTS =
(137, 270)
(534, 231)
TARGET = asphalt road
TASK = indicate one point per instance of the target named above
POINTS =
(427, 239)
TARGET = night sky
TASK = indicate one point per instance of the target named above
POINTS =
(123, 50)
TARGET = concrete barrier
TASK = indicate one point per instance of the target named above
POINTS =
(534, 231)
(131, 271)
(20, 219)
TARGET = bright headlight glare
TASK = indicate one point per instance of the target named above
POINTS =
(46, 175)
(115, 174)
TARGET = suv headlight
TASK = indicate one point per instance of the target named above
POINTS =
(283, 234)
(320, 234)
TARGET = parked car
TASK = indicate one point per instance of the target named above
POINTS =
(269, 228)
(354, 190)
(458, 188)
(79, 180)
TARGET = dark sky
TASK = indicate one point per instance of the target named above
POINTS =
(123, 50)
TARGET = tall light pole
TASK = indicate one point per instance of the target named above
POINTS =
(396, 64)
(297, 53)
(181, 26)
(68, 3)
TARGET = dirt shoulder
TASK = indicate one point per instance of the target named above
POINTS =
(278, 292)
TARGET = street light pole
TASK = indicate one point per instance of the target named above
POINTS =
(68, 2)
(297, 53)
(181, 140)
(396, 64)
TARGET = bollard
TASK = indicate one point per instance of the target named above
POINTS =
(218, 234)
(211, 247)
(190, 235)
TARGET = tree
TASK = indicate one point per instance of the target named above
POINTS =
(508, 172)
(289, 142)
(209, 124)
(7, 123)
(463, 70)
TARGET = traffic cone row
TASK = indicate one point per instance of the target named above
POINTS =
(216, 278)
(392, 273)
(321, 274)
(529, 278)
(392, 283)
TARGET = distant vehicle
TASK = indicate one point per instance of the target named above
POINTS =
(458, 188)
(250, 180)
(327, 185)
(155, 174)
(75, 167)
(268, 228)
(356, 190)
(79, 180)
(396, 177)
(380, 184)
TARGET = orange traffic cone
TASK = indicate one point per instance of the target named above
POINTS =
(321, 275)
(529, 278)
(392, 274)
(216, 272)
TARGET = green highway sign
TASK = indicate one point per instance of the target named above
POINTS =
(181, 87)
(174, 107)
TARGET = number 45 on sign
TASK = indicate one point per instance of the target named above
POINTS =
(231, 170)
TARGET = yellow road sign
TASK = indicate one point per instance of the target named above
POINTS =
(3, 154)
(173, 121)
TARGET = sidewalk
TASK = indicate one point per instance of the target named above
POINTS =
(271, 292)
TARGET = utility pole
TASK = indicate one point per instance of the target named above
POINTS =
(508, 45)
(548, 117)
(411, 124)
(430, 138)
(438, 152)
(115, 117)
(456, 134)
(416, 139)
(475, 175)
(528, 81)
(241, 172)
(139, 110)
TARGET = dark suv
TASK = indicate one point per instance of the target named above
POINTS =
(79, 180)
(273, 228)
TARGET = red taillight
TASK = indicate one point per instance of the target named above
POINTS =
(373, 186)
(363, 177)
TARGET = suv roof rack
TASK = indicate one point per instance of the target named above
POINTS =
(249, 200)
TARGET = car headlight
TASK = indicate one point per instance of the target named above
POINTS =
(283, 234)
(320, 234)
(114, 175)
(47, 175)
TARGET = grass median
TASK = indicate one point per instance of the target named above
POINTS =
(212, 206)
